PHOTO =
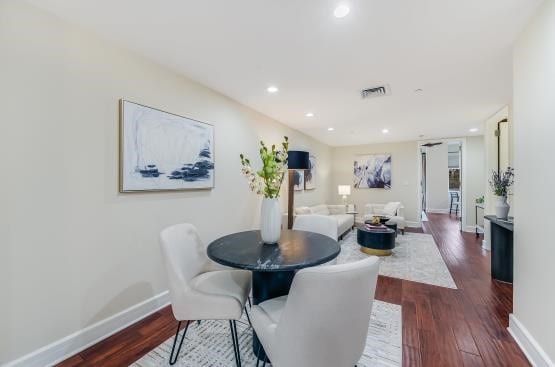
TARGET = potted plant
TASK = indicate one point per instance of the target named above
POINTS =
(500, 183)
(267, 182)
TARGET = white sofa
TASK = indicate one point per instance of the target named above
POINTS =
(392, 210)
(345, 222)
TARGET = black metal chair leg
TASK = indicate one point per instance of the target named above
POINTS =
(173, 359)
(248, 317)
(265, 360)
(249, 301)
(235, 339)
(237, 343)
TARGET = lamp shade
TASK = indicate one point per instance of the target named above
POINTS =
(344, 190)
(297, 159)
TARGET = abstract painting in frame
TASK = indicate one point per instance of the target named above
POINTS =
(298, 180)
(161, 151)
(372, 171)
(310, 174)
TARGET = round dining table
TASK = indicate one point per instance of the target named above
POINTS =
(273, 266)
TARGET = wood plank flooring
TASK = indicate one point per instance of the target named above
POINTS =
(441, 327)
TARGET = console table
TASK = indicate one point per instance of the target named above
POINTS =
(501, 248)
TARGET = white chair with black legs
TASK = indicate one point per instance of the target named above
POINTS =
(324, 320)
(323, 224)
(199, 288)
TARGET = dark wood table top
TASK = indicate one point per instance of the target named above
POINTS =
(294, 250)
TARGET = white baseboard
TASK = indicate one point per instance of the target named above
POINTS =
(438, 211)
(485, 245)
(533, 351)
(409, 223)
(72, 344)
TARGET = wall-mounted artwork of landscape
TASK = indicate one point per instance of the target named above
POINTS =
(160, 151)
(372, 171)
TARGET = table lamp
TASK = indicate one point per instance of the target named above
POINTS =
(296, 159)
(344, 191)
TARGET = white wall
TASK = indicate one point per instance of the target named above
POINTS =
(474, 178)
(73, 250)
(437, 178)
(534, 131)
(404, 168)
(491, 154)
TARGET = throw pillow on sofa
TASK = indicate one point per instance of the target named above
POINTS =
(302, 210)
(391, 208)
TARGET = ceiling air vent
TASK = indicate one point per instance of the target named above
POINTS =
(379, 91)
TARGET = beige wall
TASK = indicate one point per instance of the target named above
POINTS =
(73, 250)
(403, 176)
(534, 131)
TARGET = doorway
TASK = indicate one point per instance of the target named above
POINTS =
(441, 178)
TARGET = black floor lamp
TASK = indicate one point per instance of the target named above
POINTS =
(296, 159)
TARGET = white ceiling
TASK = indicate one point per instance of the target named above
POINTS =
(458, 52)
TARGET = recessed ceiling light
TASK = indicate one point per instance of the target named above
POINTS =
(418, 90)
(309, 114)
(473, 130)
(385, 131)
(330, 129)
(341, 11)
(272, 89)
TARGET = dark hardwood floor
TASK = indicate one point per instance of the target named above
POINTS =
(441, 327)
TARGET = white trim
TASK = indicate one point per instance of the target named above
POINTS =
(413, 224)
(471, 229)
(438, 211)
(533, 351)
(72, 344)
(485, 245)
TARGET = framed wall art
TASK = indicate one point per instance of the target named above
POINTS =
(162, 151)
(372, 171)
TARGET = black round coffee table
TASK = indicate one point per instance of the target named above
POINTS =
(273, 266)
(388, 223)
(376, 242)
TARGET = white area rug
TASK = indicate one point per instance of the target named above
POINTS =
(209, 344)
(415, 257)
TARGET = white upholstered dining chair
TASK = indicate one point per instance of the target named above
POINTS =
(324, 320)
(323, 224)
(199, 288)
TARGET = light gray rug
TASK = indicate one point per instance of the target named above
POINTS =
(209, 344)
(415, 257)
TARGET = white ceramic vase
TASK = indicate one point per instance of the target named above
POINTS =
(502, 208)
(270, 220)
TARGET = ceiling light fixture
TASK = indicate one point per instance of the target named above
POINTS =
(385, 131)
(341, 11)
(330, 129)
(418, 90)
(473, 130)
(309, 114)
(272, 89)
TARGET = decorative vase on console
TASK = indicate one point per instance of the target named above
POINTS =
(502, 208)
(267, 182)
(500, 183)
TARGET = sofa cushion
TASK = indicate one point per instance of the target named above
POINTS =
(320, 209)
(302, 210)
(336, 209)
(391, 208)
(344, 222)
